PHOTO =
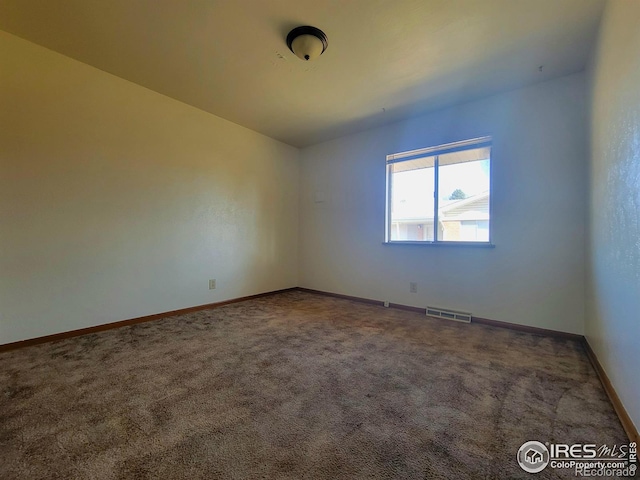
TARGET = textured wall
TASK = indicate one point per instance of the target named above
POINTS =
(117, 202)
(534, 276)
(613, 314)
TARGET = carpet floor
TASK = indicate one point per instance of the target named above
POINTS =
(296, 386)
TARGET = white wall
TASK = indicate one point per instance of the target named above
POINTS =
(117, 202)
(613, 308)
(534, 276)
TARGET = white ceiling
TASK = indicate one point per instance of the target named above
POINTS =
(386, 60)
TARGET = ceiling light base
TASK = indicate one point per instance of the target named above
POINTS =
(307, 42)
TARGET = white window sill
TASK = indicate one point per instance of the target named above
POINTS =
(443, 244)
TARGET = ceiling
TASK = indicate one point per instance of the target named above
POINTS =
(386, 60)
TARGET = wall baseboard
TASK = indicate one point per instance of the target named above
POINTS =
(340, 295)
(625, 419)
(623, 415)
(485, 321)
(123, 323)
(528, 329)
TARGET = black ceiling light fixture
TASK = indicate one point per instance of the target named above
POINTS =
(308, 43)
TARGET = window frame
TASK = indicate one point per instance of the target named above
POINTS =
(435, 151)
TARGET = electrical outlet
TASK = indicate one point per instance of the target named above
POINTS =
(212, 284)
(386, 303)
(413, 287)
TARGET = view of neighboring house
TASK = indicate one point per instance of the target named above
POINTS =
(465, 219)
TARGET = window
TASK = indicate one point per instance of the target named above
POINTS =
(440, 194)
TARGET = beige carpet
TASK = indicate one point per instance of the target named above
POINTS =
(295, 386)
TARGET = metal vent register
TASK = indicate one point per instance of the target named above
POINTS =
(449, 314)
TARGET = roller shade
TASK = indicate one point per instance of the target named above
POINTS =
(460, 152)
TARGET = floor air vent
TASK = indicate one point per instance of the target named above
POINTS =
(449, 314)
